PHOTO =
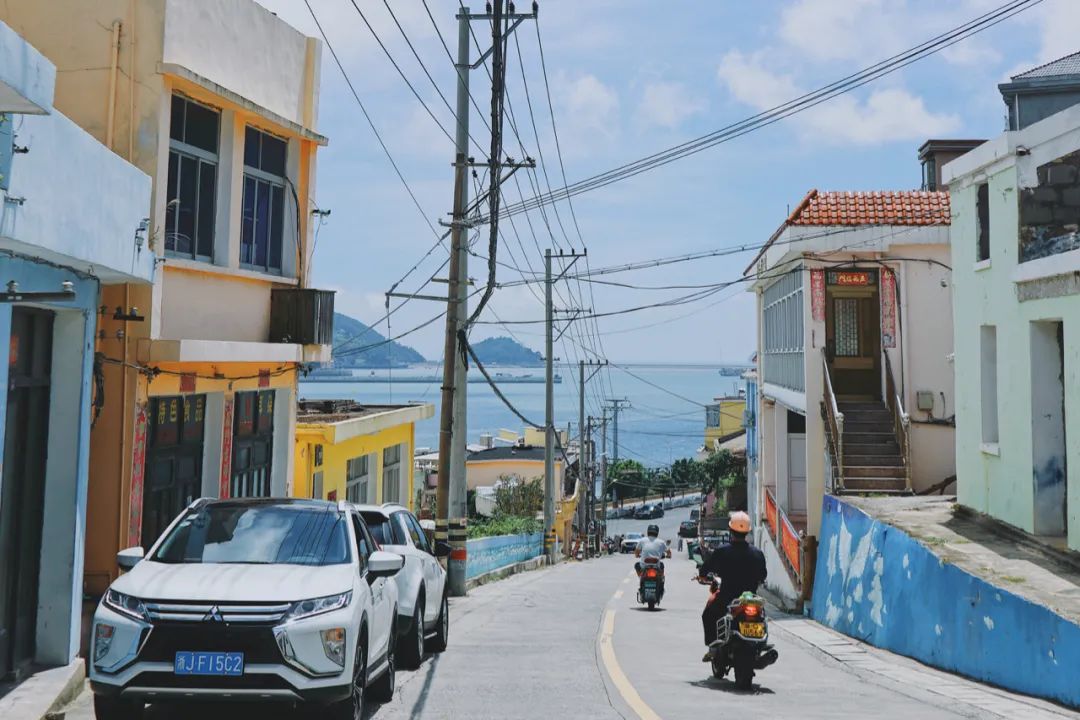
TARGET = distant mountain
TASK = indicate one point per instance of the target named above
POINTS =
(506, 351)
(352, 335)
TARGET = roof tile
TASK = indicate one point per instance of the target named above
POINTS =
(903, 207)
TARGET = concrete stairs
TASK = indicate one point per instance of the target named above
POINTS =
(872, 460)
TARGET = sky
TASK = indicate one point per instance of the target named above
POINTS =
(628, 78)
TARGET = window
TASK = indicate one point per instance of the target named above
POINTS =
(392, 474)
(192, 181)
(253, 444)
(989, 380)
(363, 547)
(712, 416)
(357, 476)
(983, 207)
(262, 229)
(317, 485)
(846, 327)
(237, 533)
(416, 532)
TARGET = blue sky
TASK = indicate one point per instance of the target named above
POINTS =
(629, 77)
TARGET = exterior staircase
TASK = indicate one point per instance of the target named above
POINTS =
(872, 459)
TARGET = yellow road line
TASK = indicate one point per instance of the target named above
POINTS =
(618, 677)
(618, 594)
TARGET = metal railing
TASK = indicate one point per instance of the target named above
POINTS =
(834, 421)
(787, 539)
(901, 420)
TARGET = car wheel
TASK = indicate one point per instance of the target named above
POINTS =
(441, 637)
(114, 708)
(352, 708)
(382, 690)
(412, 650)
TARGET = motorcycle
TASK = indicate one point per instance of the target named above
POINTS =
(650, 583)
(742, 639)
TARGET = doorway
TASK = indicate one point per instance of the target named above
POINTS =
(1048, 448)
(796, 440)
(173, 461)
(853, 333)
(22, 495)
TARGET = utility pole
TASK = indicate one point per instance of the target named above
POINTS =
(603, 473)
(451, 515)
(617, 405)
(549, 396)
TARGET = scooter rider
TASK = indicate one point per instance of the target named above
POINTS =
(653, 547)
(739, 567)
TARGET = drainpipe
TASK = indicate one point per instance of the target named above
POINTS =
(114, 66)
(131, 85)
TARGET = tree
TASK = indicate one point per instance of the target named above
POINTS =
(518, 498)
(626, 477)
(687, 474)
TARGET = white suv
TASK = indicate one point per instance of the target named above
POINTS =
(250, 599)
(422, 603)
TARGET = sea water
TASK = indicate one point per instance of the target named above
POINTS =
(665, 420)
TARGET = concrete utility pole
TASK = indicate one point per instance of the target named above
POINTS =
(617, 405)
(603, 473)
(549, 396)
(451, 515)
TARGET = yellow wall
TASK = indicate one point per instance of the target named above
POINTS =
(488, 472)
(731, 419)
(337, 455)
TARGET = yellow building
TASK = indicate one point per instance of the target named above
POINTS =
(359, 453)
(196, 376)
(484, 468)
(723, 420)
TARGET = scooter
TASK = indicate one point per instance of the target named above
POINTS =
(742, 639)
(651, 583)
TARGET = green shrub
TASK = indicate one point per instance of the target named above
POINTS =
(506, 525)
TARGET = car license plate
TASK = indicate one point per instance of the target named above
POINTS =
(752, 630)
(209, 663)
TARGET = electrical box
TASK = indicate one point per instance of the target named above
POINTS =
(924, 400)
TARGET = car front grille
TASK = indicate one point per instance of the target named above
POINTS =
(181, 611)
(167, 638)
(250, 681)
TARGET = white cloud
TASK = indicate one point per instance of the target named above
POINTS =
(667, 105)
(589, 109)
(886, 115)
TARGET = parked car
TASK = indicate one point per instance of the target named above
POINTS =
(256, 598)
(630, 542)
(649, 512)
(688, 529)
(423, 610)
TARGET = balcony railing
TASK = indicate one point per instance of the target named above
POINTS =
(786, 537)
(901, 420)
(834, 427)
(302, 316)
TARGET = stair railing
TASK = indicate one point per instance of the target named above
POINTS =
(901, 420)
(835, 422)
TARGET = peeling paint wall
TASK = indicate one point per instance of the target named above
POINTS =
(492, 553)
(880, 585)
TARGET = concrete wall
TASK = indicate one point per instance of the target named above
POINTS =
(482, 474)
(880, 585)
(73, 202)
(492, 553)
(1000, 478)
(26, 77)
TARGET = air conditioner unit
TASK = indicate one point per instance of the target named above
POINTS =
(302, 316)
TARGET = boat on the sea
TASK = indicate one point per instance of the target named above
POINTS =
(732, 371)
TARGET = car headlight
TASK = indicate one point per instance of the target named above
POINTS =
(333, 642)
(127, 605)
(318, 606)
(103, 637)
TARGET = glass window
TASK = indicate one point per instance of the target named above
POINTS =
(382, 529)
(263, 217)
(361, 546)
(257, 534)
(357, 476)
(416, 532)
(846, 327)
(392, 474)
(192, 179)
(253, 442)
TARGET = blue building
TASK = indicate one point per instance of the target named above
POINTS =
(71, 220)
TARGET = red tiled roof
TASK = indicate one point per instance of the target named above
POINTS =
(890, 207)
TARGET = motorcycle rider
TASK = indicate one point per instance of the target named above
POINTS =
(739, 567)
(652, 547)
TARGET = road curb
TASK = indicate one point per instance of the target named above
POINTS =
(44, 693)
(506, 571)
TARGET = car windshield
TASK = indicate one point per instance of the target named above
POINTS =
(258, 534)
(634, 536)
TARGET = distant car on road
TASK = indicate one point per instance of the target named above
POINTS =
(649, 512)
(630, 542)
(688, 529)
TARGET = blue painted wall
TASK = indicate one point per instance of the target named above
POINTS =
(878, 584)
(487, 554)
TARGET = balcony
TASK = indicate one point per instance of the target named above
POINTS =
(302, 316)
(26, 77)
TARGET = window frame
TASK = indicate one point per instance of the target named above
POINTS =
(202, 157)
(982, 222)
(271, 181)
(396, 468)
(363, 480)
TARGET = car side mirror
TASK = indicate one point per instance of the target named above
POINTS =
(129, 557)
(442, 549)
(384, 564)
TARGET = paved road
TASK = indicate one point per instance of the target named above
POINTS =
(571, 642)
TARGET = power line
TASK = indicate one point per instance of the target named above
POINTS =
(792, 107)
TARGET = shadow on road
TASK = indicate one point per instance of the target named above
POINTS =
(728, 686)
(642, 608)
